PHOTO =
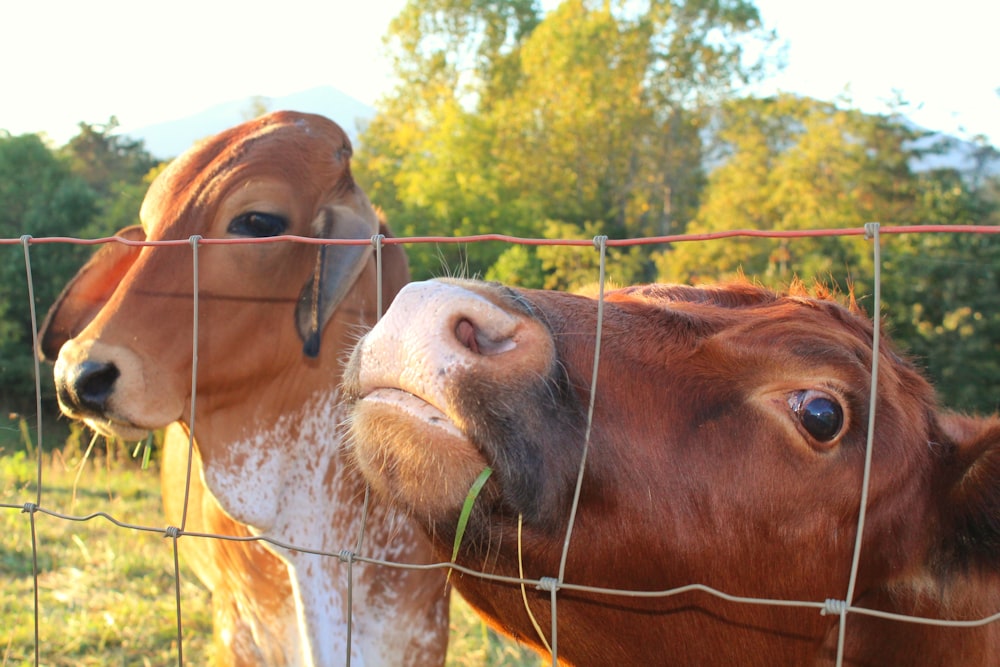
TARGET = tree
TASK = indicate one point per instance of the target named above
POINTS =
(792, 163)
(39, 196)
(942, 294)
(89, 188)
(503, 121)
(607, 117)
(114, 167)
(257, 106)
(426, 158)
(104, 159)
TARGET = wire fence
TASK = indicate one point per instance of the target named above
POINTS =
(353, 553)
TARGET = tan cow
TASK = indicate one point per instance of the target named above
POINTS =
(274, 322)
(727, 448)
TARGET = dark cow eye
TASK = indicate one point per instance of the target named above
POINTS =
(257, 224)
(819, 413)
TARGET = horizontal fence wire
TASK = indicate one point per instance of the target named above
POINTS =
(354, 553)
(517, 240)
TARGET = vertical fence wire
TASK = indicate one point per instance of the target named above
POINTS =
(377, 243)
(551, 585)
(348, 557)
(174, 533)
(872, 234)
(25, 244)
(601, 243)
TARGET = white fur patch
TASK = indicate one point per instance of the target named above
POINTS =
(291, 483)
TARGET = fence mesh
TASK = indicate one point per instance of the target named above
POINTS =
(34, 504)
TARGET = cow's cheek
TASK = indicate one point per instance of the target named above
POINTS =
(426, 469)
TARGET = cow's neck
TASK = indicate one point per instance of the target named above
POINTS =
(289, 482)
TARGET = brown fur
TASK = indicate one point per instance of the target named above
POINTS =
(134, 306)
(699, 472)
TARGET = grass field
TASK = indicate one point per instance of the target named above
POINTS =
(105, 593)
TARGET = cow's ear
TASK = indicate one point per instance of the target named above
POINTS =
(336, 269)
(87, 292)
(971, 513)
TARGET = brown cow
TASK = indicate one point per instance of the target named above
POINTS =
(273, 323)
(727, 449)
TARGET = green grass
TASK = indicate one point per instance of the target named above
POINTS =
(106, 594)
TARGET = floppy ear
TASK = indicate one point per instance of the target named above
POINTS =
(337, 267)
(87, 292)
(971, 512)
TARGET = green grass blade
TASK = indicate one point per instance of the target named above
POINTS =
(470, 498)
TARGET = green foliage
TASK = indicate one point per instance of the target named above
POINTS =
(473, 643)
(116, 168)
(91, 187)
(620, 118)
(504, 119)
(519, 266)
(575, 267)
(39, 196)
(793, 163)
(943, 300)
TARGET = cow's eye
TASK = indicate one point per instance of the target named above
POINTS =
(818, 412)
(257, 224)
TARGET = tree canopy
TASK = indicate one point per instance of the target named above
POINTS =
(627, 119)
(590, 115)
(88, 188)
(611, 117)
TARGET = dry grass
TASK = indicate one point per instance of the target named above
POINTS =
(106, 594)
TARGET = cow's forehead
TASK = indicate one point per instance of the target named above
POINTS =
(308, 150)
(753, 314)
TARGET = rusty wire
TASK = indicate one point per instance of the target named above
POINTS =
(551, 584)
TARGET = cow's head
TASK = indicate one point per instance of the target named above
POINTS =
(727, 448)
(122, 329)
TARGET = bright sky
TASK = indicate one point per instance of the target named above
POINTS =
(66, 61)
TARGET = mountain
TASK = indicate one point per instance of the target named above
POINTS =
(171, 138)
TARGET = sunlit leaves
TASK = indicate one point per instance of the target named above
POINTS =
(589, 116)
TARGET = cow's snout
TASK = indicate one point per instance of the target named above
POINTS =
(114, 390)
(421, 380)
(86, 387)
(437, 331)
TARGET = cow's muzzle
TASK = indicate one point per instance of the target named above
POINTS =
(84, 389)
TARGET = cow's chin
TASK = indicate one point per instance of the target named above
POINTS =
(413, 454)
(115, 429)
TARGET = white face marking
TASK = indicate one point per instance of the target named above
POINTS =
(290, 482)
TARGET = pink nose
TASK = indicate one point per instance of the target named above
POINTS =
(436, 331)
(433, 330)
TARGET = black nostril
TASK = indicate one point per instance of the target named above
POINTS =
(89, 385)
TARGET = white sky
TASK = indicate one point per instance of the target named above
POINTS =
(66, 61)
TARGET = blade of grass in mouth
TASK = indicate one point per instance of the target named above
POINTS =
(470, 499)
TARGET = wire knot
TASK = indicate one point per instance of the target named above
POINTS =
(29, 508)
(26, 239)
(193, 240)
(871, 230)
(600, 240)
(832, 607)
(548, 584)
(377, 240)
(172, 532)
(346, 556)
